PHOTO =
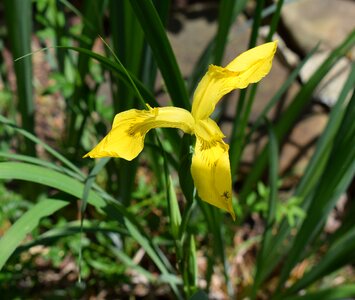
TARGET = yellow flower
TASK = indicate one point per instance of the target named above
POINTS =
(210, 166)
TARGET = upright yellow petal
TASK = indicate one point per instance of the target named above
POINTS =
(211, 173)
(126, 138)
(249, 67)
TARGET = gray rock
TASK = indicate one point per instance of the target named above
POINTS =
(329, 22)
(329, 88)
(311, 21)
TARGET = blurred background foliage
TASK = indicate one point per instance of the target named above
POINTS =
(74, 228)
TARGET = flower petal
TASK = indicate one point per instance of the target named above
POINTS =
(249, 67)
(126, 138)
(211, 173)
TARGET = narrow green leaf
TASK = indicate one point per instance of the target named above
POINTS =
(314, 171)
(174, 211)
(244, 106)
(123, 74)
(90, 181)
(216, 227)
(18, 15)
(256, 23)
(337, 175)
(41, 175)
(159, 259)
(275, 20)
(124, 25)
(292, 112)
(25, 224)
(278, 95)
(192, 261)
(336, 293)
(340, 254)
(92, 13)
(36, 140)
(53, 235)
(271, 213)
(113, 209)
(155, 34)
(40, 162)
(150, 68)
(225, 20)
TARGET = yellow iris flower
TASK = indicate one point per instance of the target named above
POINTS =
(210, 166)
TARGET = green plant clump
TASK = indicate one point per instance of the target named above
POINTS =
(75, 228)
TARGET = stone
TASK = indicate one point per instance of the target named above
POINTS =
(329, 89)
(327, 22)
(311, 21)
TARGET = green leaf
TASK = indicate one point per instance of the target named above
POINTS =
(36, 140)
(174, 211)
(113, 209)
(226, 16)
(192, 265)
(339, 254)
(124, 26)
(278, 95)
(317, 164)
(271, 211)
(40, 162)
(213, 47)
(90, 181)
(336, 293)
(92, 14)
(293, 111)
(155, 34)
(25, 224)
(337, 175)
(18, 15)
(41, 175)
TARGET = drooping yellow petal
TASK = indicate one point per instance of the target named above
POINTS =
(126, 138)
(211, 173)
(249, 67)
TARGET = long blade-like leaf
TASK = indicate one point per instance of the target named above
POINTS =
(337, 175)
(340, 253)
(336, 293)
(155, 34)
(271, 214)
(23, 226)
(18, 15)
(292, 112)
(113, 209)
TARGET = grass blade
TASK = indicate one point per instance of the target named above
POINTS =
(124, 25)
(292, 112)
(337, 175)
(336, 293)
(283, 89)
(340, 253)
(225, 19)
(39, 162)
(113, 209)
(270, 221)
(25, 224)
(36, 140)
(155, 34)
(313, 172)
(18, 15)
(92, 14)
